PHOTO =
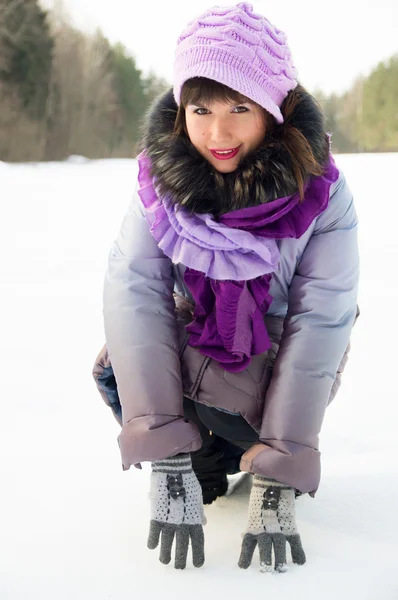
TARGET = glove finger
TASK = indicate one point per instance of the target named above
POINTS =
(166, 543)
(298, 554)
(198, 545)
(249, 544)
(265, 548)
(154, 534)
(279, 542)
(182, 542)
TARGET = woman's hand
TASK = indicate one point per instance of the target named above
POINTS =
(271, 522)
(176, 511)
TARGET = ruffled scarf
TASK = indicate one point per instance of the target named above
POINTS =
(230, 261)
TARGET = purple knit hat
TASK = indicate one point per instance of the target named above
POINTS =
(241, 49)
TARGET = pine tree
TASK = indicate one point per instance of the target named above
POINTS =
(379, 123)
(130, 98)
(27, 45)
(154, 86)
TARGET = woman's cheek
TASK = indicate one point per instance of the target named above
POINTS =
(195, 130)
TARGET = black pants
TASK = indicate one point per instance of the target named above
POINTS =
(225, 438)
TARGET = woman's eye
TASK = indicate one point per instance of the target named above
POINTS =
(205, 111)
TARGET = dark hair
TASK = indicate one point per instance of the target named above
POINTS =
(287, 136)
(303, 160)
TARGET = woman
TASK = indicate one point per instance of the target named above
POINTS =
(231, 289)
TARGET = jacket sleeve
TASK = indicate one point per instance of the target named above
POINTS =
(322, 306)
(143, 347)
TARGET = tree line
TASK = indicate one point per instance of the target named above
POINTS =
(65, 92)
(365, 118)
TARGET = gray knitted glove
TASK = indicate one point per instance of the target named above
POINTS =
(271, 522)
(176, 510)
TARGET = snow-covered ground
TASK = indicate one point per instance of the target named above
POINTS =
(73, 525)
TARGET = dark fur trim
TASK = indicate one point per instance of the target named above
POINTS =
(263, 175)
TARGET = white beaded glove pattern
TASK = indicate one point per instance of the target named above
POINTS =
(176, 511)
(272, 522)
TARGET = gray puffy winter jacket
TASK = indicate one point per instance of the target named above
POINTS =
(147, 366)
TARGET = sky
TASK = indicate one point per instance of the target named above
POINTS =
(331, 42)
(73, 525)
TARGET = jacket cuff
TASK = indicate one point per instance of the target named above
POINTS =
(289, 463)
(154, 437)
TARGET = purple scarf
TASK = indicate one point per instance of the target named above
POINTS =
(229, 262)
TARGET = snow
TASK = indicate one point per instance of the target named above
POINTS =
(73, 524)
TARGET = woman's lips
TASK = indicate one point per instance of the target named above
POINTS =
(224, 156)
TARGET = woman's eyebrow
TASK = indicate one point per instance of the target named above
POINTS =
(203, 104)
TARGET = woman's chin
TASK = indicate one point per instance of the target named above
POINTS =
(226, 166)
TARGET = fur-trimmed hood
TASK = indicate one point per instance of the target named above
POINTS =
(263, 175)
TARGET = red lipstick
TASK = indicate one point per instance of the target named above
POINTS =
(231, 153)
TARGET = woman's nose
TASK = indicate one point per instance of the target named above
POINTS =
(220, 132)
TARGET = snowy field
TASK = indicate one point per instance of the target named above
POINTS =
(73, 525)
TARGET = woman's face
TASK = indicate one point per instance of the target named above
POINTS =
(221, 127)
